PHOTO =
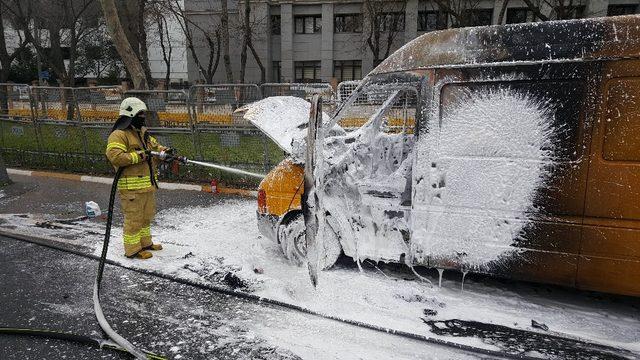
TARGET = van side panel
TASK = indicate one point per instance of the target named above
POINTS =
(497, 197)
(610, 252)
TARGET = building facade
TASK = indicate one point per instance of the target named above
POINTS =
(333, 41)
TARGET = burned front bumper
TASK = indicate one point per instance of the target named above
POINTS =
(267, 224)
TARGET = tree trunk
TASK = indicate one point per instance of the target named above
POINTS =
(503, 11)
(536, 10)
(263, 71)
(119, 38)
(245, 39)
(4, 91)
(142, 42)
(224, 20)
(4, 177)
(167, 50)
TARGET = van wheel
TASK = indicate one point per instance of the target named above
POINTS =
(291, 233)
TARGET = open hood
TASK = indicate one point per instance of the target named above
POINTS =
(284, 119)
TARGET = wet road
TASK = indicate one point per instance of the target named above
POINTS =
(46, 288)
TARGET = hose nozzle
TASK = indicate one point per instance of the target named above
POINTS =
(168, 156)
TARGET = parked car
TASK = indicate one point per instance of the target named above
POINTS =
(508, 150)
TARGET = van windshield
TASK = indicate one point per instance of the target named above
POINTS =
(394, 101)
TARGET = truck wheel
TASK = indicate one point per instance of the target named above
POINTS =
(290, 235)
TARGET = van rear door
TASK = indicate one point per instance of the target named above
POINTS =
(610, 254)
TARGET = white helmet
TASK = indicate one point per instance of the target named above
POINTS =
(131, 106)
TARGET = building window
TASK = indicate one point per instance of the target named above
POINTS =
(345, 70)
(275, 72)
(347, 23)
(479, 17)
(308, 24)
(307, 71)
(431, 20)
(518, 15)
(615, 10)
(275, 24)
(392, 21)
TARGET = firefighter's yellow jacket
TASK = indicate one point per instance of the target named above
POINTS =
(138, 175)
(136, 185)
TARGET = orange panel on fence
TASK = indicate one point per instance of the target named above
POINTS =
(19, 112)
(223, 119)
(173, 117)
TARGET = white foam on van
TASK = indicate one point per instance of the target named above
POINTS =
(483, 164)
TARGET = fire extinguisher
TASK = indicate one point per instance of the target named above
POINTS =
(214, 186)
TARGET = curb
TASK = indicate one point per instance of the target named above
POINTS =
(109, 181)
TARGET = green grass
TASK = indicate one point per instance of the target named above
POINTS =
(63, 150)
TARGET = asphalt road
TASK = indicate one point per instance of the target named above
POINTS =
(50, 289)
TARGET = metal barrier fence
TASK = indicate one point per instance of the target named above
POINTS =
(66, 128)
(15, 101)
(98, 104)
(302, 90)
(166, 108)
(216, 104)
(345, 89)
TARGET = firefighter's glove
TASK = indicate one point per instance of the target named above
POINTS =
(142, 155)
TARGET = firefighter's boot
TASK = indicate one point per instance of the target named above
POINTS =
(142, 254)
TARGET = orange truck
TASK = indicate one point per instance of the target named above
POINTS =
(507, 150)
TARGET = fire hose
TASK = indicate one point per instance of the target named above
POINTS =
(104, 324)
(118, 342)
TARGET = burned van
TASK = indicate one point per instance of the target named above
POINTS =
(508, 150)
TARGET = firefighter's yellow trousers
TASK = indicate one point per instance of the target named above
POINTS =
(139, 210)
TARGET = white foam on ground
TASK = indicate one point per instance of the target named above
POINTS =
(206, 243)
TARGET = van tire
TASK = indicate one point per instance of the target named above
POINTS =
(290, 234)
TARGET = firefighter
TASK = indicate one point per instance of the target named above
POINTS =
(128, 146)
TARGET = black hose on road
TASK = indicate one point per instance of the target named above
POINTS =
(104, 324)
(121, 343)
(282, 304)
(83, 339)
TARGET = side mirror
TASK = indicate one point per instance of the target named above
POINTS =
(311, 201)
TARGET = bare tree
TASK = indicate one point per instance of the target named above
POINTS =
(559, 9)
(97, 56)
(461, 13)
(248, 27)
(385, 20)
(121, 42)
(166, 46)
(158, 14)
(67, 24)
(135, 19)
(8, 55)
(192, 30)
(503, 11)
(224, 21)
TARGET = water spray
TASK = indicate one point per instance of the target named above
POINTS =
(165, 156)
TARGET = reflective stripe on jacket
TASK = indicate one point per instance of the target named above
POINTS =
(121, 152)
